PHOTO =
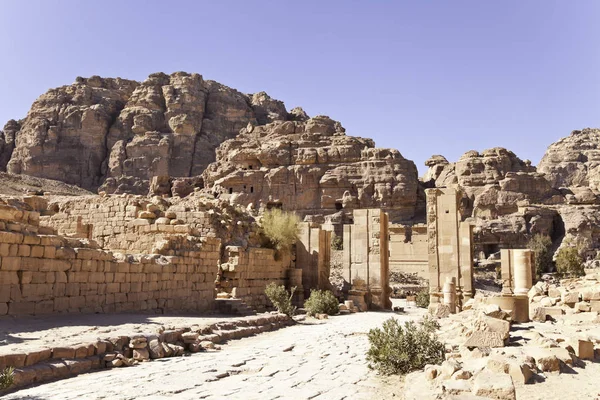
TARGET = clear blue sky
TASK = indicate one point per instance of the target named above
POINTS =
(425, 77)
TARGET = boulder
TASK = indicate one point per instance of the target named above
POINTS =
(494, 385)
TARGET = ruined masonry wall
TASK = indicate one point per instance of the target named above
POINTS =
(247, 272)
(115, 222)
(408, 249)
(40, 275)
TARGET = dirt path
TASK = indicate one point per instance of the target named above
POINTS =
(311, 360)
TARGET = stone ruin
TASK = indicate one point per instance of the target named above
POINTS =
(173, 173)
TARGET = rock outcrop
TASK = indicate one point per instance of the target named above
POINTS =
(64, 134)
(312, 167)
(512, 200)
(574, 161)
(119, 134)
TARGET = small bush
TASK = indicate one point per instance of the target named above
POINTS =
(281, 299)
(569, 262)
(280, 229)
(400, 350)
(541, 245)
(7, 378)
(337, 242)
(430, 323)
(422, 298)
(322, 302)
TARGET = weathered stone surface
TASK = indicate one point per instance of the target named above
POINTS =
(573, 160)
(120, 133)
(439, 310)
(485, 339)
(63, 136)
(312, 167)
(494, 385)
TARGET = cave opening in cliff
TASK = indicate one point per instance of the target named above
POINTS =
(558, 230)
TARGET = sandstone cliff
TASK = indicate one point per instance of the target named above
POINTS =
(511, 200)
(574, 161)
(118, 133)
(312, 166)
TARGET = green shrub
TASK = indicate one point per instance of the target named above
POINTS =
(422, 298)
(322, 302)
(280, 229)
(569, 262)
(541, 245)
(281, 299)
(430, 323)
(337, 242)
(400, 350)
(7, 378)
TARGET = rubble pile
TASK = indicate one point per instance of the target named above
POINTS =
(489, 355)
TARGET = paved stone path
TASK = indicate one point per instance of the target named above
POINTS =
(311, 360)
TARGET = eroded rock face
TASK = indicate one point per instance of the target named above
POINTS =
(7, 142)
(63, 136)
(312, 167)
(498, 190)
(171, 127)
(574, 160)
(119, 134)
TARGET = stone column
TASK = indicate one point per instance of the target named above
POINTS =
(522, 271)
(449, 245)
(507, 271)
(449, 291)
(432, 233)
(516, 271)
(347, 260)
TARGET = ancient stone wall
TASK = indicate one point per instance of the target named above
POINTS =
(366, 259)
(44, 274)
(450, 244)
(313, 253)
(245, 274)
(408, 249)
(129, 224)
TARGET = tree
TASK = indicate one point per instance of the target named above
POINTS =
(569, 262)
(541, 245)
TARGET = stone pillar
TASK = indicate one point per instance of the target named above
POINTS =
(465, 291)
(347, 259)
(324, 255)
(295, 280)
(506, 269)
(522, 271)
(379, 255)
(366, 250)
(449, 245)
(449, 291)
(516, 271)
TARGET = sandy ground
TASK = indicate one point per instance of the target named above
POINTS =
(313, 359)
(334, 348)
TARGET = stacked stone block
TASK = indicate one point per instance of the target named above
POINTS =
(47, 274)
(246, 273)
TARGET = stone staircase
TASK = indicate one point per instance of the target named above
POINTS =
(233, 307)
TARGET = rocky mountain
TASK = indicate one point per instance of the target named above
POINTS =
(176, 134)
(117, 134)
(159, 136)
(510, 200)
(311, 166)
(574, 161)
